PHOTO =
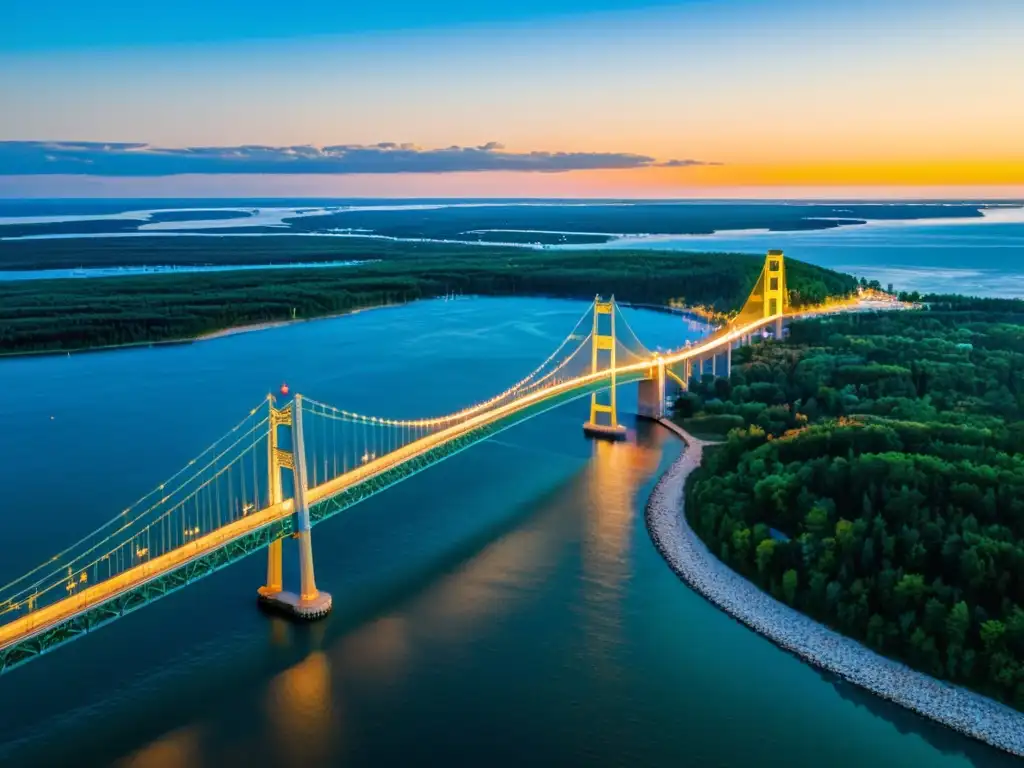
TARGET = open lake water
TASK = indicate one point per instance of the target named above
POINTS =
(504, 608)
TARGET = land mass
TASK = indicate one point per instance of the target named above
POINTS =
(956, 707)
(545, 222)
(873, 479)
(68, 314)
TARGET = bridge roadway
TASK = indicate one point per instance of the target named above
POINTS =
(50, 616)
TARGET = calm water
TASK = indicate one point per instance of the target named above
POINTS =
(983, 257)
(56, 274)
(979, 256)
(504, 608)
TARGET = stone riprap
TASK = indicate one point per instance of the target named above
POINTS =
(969, 713)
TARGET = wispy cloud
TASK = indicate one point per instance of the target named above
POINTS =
(686, 163)
(34, 158)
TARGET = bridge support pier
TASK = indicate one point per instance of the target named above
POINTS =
(728, 360)
(651, 395)
(310, 603)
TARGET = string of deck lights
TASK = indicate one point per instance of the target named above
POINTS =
(66, 577)
(134, 504)
(449, 418)
(13, 601)
(524, 385)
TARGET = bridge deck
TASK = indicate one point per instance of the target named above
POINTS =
(46, 618)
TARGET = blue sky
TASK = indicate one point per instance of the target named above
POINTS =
(31, 25)
(572, 97)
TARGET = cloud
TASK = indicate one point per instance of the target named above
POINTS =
(34, 158)
(686, 163)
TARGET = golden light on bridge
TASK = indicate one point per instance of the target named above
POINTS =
(240, 527)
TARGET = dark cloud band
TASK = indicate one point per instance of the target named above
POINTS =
(34, 158)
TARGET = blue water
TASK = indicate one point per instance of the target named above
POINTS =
(87, 272)
(980, 256)
(977, 258)
(504, 608)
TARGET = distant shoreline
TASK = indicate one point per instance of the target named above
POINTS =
(210, 336)
(276, 220)
(251, 327)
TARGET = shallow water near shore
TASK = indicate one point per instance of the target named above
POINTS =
(506, 607)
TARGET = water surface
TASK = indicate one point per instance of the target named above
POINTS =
(504, 608)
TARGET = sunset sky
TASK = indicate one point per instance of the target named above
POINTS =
(596, 98)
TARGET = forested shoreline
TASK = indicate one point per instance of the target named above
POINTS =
(874, 480)
(58, 315)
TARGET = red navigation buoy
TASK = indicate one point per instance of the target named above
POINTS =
(284, 389)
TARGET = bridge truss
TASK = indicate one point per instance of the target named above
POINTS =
(283, 469)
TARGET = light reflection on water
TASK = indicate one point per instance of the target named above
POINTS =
(505, 608)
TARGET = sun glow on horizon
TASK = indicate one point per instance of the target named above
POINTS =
(796, 96)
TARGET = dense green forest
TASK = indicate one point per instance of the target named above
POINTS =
(875, 480)
(38, 315)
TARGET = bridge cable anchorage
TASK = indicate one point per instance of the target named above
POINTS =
(143, 538)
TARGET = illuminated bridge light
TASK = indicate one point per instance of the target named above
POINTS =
(564, 372)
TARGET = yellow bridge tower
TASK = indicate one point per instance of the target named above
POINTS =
(604, 342)
(775, 289)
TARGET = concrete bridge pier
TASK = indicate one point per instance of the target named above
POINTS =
(652, 394)
(310, 603)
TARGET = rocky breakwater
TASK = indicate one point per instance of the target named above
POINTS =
(969, 713)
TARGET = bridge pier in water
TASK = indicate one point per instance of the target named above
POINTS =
(310, 603)
(652, 394)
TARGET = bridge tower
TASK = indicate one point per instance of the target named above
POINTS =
(604, 342)
(276, 458)
(775, 289)
(309, 603)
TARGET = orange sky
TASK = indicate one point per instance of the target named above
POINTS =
(882, 94)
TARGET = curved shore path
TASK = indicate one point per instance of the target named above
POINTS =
(969, 713)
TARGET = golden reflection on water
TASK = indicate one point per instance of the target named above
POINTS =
(613, 481)
(489, 584)
(279, 634)
(178, 749)
(376, 651)
(302, 712)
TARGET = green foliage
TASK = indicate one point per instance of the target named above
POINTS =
(892, 456)
(77, 313)
(790, 581)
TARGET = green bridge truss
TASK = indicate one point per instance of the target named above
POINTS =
(165, 584)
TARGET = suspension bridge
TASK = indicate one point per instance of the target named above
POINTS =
(284, 468)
